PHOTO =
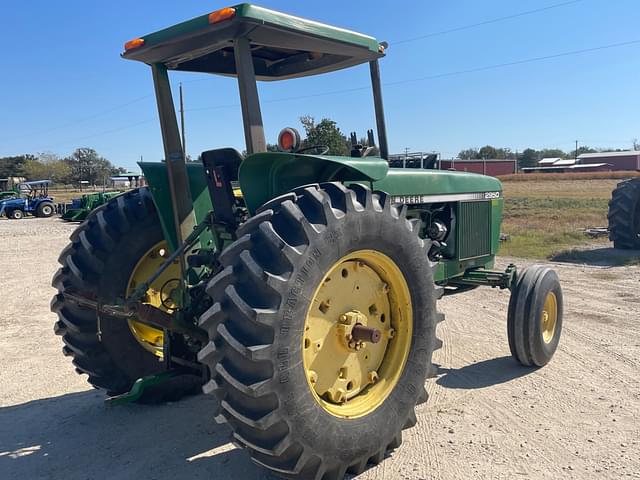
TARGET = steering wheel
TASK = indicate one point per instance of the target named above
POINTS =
(322, 149)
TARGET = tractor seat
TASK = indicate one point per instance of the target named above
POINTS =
(227, 157)
(221, 169)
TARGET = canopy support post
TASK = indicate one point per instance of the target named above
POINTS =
(249, 100)
(374, 67)
(174, 156)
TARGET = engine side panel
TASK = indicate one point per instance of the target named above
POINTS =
(475, 203)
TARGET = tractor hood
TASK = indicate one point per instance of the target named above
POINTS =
(264, 176)
(11, 202)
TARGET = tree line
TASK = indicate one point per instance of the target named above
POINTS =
(84, 164)
(529, 157)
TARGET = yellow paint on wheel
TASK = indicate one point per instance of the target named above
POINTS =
(549, 317)
(160, 294)
(350, 378)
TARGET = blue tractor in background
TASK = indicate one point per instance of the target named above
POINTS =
(34, 199)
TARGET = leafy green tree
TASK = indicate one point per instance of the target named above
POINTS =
(86, 164)
(14, 166)
(468, 154)
(581, 150)
(552, 153)
(325, 133)
(488, 152)
(528, 158)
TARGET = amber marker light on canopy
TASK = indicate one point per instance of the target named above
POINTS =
(222, 14)
(135, 43)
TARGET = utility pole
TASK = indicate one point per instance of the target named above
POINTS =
(575, 156)
(184, 142)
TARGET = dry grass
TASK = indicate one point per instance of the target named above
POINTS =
(546, 216)
(568, 177)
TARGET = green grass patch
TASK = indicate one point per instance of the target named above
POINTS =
(543, 227)
(541, 244)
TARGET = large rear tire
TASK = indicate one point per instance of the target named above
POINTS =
(45, 210)
(295, 388)
(624, 215)
(99, 262)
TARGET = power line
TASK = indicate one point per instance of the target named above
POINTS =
(398, 42)
(516, 62)
(400, 82)
(99, 134)
(439, 75)
(80, 120)
(485, 22)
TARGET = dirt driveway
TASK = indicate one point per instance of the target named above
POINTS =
(487, 417)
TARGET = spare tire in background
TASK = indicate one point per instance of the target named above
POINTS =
(624, 215)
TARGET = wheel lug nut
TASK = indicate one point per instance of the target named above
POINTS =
(324, 306)
(338, 395)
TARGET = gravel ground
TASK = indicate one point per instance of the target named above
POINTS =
(487, 418)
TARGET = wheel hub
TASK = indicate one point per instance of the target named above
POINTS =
(353, 331)
(549, 317)
(352, 355)
(163, 293)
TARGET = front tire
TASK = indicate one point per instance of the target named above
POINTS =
(259, 354)
(99, 263)
(534, 319)
(16, 214)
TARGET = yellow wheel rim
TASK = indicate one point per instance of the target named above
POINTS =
(160, 294)
(351, 378)
(549, 317)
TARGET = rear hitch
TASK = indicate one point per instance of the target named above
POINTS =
(143, 313)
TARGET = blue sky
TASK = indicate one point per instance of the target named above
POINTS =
(64, 85)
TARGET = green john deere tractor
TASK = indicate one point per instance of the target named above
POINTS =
(299, 288)
(80, 208)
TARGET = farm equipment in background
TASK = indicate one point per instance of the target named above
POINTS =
(33, 199)
(306, 300)
(9, 187)
(80, 208)
(9, 194)
(624, 215)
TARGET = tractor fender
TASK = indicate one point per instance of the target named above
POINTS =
(264, 176)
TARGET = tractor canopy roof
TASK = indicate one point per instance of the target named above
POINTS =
(282, 46)
(36, 183)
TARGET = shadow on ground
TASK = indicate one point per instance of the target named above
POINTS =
(75, 436)
(601, 257)
(482, 374)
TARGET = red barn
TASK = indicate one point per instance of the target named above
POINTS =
(492, 167)
(629, 160)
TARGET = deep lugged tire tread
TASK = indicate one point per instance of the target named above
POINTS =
(77, 325)
(624, 204)
(82, 263)
(241, 332)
